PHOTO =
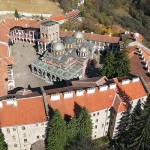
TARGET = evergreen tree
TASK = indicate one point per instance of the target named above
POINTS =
(72, 131)
(84, 124)
(17, 14)
(122, 64)
(140, 132)
(57, 136)
(109, 65)
(121, 130)
(41, 17)
(3, 145)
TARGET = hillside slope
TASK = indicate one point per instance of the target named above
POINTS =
(31, 6)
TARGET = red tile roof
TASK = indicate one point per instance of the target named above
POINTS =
(58, 18)
(27, 111)
(93, 37)
(3, 51)
(136, 66)
(137, 87)
(93, 102)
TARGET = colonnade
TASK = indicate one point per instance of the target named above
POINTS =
(21, 36)
(44, 74)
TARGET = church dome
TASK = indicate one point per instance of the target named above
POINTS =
(83, 49)
(78, 35)
(69, 40)
(54, 41)
(58, 46)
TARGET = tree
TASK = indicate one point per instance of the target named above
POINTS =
(57, 134)
(140, 133)
(41, 17)
(17, 14)
(3, 145)
(122, 63)
(84, 124)
(72, 131)
(109, 65)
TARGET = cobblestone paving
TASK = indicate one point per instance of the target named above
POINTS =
(24, 55)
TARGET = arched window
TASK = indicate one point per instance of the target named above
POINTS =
(23, 128)
(15, 145)
(42, 35)
(8, 130)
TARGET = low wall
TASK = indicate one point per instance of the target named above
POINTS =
(24, 13)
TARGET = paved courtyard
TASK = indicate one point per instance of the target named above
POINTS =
(24, 54)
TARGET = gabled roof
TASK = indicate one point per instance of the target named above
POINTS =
(27, 111)
(93, 102)
(136, 65)
(93, 37)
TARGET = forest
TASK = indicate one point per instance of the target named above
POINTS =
(133, 15)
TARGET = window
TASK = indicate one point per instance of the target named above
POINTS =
(14, 138)
(42, 124)
(15, 145)
(8, 130)
(106, 132)
(25, 140)
(98, 113)
(102, 125)
(96, 120)
(106, 110)
(38, 137)
(108, 117)
(96, 127)
(107, 123)
(24, 135)
(94, 136)
(43, 136)
(23, 128)
(36, 124)
(14, 129)
(94, 114)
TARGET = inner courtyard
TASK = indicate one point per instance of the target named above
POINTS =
(24, 54)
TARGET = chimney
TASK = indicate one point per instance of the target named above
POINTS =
(15, 103)
(79, 92)
(68, 95)
(103, 88)
(90, 90)
(1, 104)
(127, 81)
(112, 85)
(55, 97)
(136, 79)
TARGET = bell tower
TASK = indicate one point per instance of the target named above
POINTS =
(49, 30)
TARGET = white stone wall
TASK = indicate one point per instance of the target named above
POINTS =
(117, 116)
(100, 121)
(50, 32)
(21, 137)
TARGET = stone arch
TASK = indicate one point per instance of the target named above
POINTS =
(49, 76)
(40, 72)
(35, 70)
(53, 77)
(57, 79)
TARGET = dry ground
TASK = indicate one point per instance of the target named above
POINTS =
(31, 6)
